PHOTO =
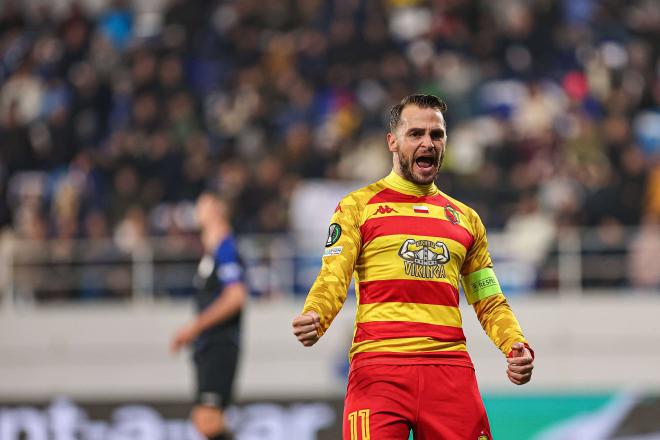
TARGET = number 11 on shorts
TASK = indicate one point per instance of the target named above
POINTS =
(363, 416)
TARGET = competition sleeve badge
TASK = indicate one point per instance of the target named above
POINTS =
(334, 232)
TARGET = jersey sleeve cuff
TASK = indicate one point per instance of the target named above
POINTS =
(526, 346)
(321, 330)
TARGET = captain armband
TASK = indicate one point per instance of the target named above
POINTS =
(480, 284)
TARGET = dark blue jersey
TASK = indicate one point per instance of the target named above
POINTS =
(214, 274)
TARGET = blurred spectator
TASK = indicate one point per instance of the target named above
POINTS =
(116, 24)
(643, 267)
(96, 257)
(133, 230)
(261, 206)
(21, 95)
(652, 204)
(17, 152)
(529, 231)
(603, 255)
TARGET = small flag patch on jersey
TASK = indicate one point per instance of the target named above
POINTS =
(421, 209)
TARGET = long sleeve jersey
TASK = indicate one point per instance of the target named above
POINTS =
(408, 246)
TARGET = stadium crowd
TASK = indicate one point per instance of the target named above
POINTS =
(113, 121)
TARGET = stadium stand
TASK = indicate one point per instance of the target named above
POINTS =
(112, 120)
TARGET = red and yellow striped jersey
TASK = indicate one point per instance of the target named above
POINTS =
(408, 246)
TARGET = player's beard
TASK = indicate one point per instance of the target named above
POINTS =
(406, 167)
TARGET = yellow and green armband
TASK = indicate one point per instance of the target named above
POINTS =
(480, 284)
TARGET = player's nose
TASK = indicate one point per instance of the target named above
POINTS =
(427, 143)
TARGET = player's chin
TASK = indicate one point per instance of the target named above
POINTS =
(425, 175)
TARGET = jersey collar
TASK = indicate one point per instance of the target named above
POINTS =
(405, 186)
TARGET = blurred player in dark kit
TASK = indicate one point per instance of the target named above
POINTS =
(215, 332)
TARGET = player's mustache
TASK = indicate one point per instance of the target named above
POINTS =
(437, 155)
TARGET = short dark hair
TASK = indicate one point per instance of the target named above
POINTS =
(421, 101)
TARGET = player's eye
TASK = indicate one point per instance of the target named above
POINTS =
(437, 134)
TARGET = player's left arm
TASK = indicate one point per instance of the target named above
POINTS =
(500, 324)
(483, 292)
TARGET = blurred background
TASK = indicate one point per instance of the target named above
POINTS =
(116, 114)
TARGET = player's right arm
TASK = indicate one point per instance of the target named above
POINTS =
(306, 327)
(328, 293)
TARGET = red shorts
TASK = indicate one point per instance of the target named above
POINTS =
(438, 402)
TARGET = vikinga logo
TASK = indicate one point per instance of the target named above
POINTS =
(424, 258)
(384, 209)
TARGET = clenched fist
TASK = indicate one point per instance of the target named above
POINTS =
(520, 364)
(306, 327)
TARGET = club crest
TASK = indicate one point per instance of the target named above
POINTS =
(452, 214)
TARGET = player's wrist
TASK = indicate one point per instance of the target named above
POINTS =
(196, 328)
(531, 351)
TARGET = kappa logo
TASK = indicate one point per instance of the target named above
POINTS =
(424, 258)
(384, 209)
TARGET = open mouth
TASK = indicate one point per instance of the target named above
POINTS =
(425, 161)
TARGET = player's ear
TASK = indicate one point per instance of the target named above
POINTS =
(392, 144)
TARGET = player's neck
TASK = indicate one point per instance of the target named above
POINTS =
(213, 235)
(403, 185)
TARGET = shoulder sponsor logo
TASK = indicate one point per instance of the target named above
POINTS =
(384, 209)
(332, 251)
(452, 214)
(421, 209)
(334, 232)
(424, 258)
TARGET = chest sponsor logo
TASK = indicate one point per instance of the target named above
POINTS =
(384, 209)
(424, 258)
